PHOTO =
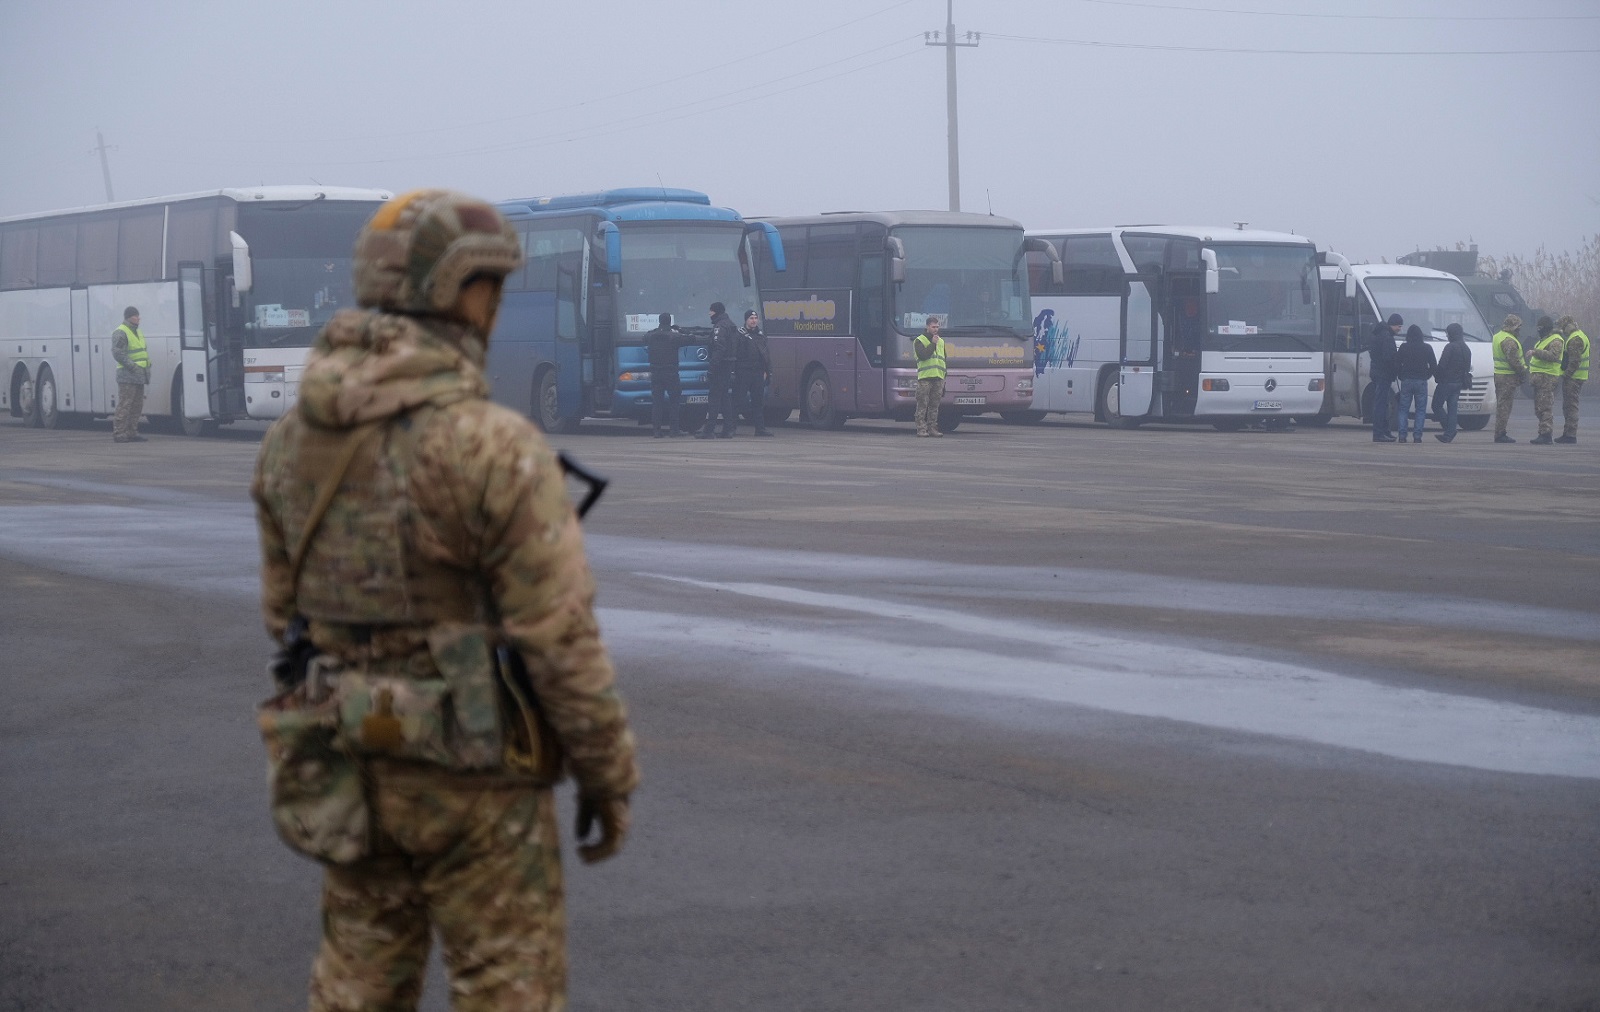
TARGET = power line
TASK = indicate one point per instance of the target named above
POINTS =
(1293, 52)
(1351, 17)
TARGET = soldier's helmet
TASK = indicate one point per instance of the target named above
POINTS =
(421, 248)
(1566, 324)
(1513, 324)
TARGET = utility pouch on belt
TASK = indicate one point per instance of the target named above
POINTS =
(319, 802)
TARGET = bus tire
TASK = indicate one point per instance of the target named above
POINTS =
(949, 421)
(1472, 423)
(1108, 412)
(816, 404)
(1022, 417)
(47, 413)
(23, 404)
(191, 427)
(546, 407)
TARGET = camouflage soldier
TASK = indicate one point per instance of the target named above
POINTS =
(1509, 374)
(451, 525)
(1544, 362)
(1574, 370)
(133, 375)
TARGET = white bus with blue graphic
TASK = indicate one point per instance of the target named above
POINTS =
(1177, 324)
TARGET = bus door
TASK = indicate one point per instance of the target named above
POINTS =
(602, 324)
(82, 372)
(1352, 323)
(869, 316)
(571, 383)
(196, 354)
(1136, 383)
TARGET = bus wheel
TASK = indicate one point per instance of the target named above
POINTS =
(546, 407)
(817, 410)
(1472, 423)
(22, 396)
(191, 427)
(1022, 417)
(1109, 388)
(46, 413)
(949, 421)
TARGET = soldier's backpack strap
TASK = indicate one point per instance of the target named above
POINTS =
(325, 494)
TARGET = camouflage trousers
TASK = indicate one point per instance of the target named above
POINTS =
(929, 393)
(1570, 389)
(1505, 394)
(130, 405)
(476, 859)
(1544, 401)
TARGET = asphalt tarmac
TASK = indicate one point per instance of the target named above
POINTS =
(1044, 717)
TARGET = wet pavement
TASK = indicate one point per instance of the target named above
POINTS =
(1029, 717)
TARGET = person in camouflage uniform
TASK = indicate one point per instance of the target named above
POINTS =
(1544, 364)
(1574, 371)
(452, 511)
(133, 375)
(1510, 372)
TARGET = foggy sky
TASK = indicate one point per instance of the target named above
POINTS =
(790, 108)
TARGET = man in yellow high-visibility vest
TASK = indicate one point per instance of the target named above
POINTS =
(1544, 362)
(1574, 370)
(929, 347)
(1509, 373)
(133, 374)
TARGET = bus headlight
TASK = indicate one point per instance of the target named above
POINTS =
(632, 377)
(1315, 384)
(1025, 383)
(1214, 384)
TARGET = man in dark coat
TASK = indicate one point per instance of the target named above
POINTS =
(1414, 364)
(1381, 368)
(719, 373)
(666, 392)
(1454, 371)
(751, 366)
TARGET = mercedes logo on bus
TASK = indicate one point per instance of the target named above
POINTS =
(1272, 384)
(700, 353)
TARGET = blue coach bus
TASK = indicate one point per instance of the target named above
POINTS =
(601, 267)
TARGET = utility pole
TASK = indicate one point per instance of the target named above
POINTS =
(105, 164)
(952, 137)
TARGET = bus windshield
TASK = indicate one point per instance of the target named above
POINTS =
(1431, 303)
(974, 279)
(1268, 299)
(300, 261)
(682, 268)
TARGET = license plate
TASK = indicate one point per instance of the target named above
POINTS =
(1269, 406)
(697, 399)
(972, 400)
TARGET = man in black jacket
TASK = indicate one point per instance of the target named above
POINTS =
(1455, 366)
(1381, 369)
(666, 393)
(750, 368)
(719, 373)
(1414, 363)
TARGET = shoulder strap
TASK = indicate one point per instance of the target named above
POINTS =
(325, 494)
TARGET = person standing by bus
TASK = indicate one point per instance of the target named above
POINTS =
(929, 347)
(133, 375)
(751, 368)
(1544, 362)
(1453, 373)
(1574, 370)
(1509, 374)
(448, 530)
(666, 391)
(719, 374)
(1380, 366)
(1414, 363)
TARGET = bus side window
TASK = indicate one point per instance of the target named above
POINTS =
(1040, 278)
(1092, 266)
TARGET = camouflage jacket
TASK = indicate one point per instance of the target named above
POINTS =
(127, 372)
(454, 509)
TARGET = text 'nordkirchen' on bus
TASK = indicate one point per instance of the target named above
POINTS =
(231, 288)
(1168, 323)
(601, 268)
(860, 287)
(1428, 298)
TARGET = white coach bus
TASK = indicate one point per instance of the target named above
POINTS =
(1177, 324)
(1430, 299)
(231, 287)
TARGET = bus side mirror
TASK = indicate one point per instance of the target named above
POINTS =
(1213, 276)
(243, 280)
(1349, 286)
(1034, 244)
(897, 259)
(613, 240)
(774, 243)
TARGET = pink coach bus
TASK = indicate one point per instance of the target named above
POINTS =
(860, 287)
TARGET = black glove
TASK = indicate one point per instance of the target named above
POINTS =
(612, 814)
